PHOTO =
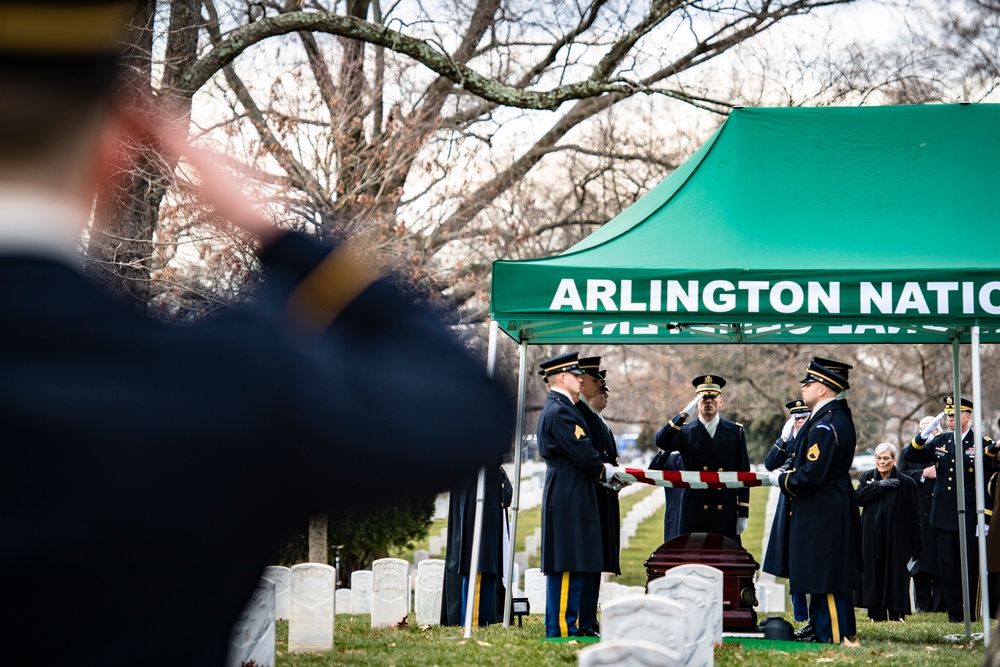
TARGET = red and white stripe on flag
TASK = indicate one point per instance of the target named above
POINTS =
(690, 479)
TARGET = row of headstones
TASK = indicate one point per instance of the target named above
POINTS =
(678, 622)
(639, 512)
(306, 595)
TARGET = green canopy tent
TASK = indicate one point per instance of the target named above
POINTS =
(790, 225)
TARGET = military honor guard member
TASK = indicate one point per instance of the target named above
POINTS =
(609, 510)
(949, 461)
(709, 444)
(152, 471)
(824, 533)
(572, 552)
(780, 456)
(926, 573)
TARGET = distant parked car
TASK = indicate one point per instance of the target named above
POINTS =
(862, 462)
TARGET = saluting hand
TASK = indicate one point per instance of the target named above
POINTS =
(689, 410)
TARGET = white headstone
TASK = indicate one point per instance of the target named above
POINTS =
(521, 560)
(770, 597)
(531, 544)
(252, 638)
(629, 653)
(390, 592)
(420, 556)
(697, 595)
(444, 535)
(279, 576)
(534, 588)
(649, 618)
(714, 575)
(611, 591)
(361, 591)
(344, 601)
(310, 608)
(430, 584)
(434, 546)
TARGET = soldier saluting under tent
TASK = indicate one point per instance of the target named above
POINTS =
(709, 444)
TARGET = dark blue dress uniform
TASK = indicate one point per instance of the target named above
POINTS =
(824, 528)
(926, 573)
(671, 497)
(940, 451)
(203, 446)
(571, 530)
(782, 453)
(709, 510)
(458, 561)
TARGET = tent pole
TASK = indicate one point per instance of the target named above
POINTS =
(977, 425)
(491, 362)
(963, 548)
(522, 380)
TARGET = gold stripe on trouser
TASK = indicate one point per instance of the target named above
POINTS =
(563, 604)
(475, 608)
(834, 621)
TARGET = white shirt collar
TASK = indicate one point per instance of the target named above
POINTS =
(711, 424)
(562, 391)
(816, 407)
(40, 223)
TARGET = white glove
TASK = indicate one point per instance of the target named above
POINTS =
(930, 428)
(786, 430)
(741, 525)
(775, 477)
(689, 410)
(986, 528)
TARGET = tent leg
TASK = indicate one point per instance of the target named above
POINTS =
(960, 483)
(522, 380)
(977, 426)
(491, 361)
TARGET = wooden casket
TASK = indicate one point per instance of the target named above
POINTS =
(739, 596)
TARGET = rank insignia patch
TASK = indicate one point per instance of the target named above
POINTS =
(813, 453)
(579, 432)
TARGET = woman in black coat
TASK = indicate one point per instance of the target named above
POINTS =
(890, 537)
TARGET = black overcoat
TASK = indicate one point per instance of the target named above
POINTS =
(824, 530)
(461, 532)
(890, 537)
(571, 526)
(608, 506)
(776, 556)
(152, 471)
(928, 563)
(709, 510)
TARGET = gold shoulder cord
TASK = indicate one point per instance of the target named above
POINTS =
(324, 294)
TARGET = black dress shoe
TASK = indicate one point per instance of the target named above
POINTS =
(805, 632)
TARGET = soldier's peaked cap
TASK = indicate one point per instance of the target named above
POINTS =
(819, 373)
(564, 363)
(591, 366)
(797, 408)
(709, 385)
(65, 40)
(949, 405)
(839, 367)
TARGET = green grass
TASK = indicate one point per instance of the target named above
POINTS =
(918, 642)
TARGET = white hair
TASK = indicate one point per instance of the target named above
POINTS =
(886, 446)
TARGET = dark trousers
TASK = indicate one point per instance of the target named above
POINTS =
(927, 592)
(950, 562)
(832, 615)
(563, 592)
(588, 601)
(484, 612)
(800, 607)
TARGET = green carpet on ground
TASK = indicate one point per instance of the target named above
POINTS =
(755, 644)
